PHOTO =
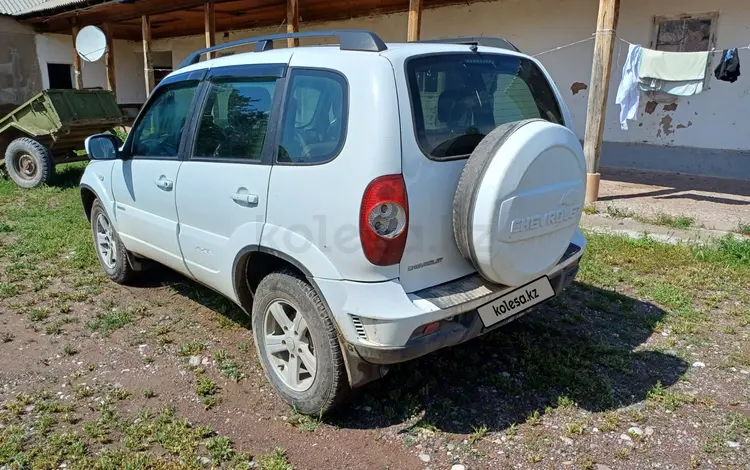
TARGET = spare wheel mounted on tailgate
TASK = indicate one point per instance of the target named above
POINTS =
(519, 200)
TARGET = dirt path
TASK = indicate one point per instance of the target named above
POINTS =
(714, 203)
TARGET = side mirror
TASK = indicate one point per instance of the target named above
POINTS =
(103, 147)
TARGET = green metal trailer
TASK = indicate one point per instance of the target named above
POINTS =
(51, 128)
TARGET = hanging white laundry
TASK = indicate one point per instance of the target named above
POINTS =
(673, 66)
(681, 88)
(628, 95)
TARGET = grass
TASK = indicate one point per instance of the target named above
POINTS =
(108, 322)
(304, 422)
(228, 367)
(743, 228)
(205, 387)
(149, 393)
(667, 220)
(38, 315)
(661, 218)
(276, 460)
(668, 399)
(478, 434)
(191, 348)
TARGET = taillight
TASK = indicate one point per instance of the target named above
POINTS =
(384, 220)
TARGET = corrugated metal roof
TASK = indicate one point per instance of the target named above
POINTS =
(24, 7)
(10, 7)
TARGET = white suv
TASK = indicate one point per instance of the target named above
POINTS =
(366, 203)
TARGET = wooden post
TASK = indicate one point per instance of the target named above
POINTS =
(109, 60)
(148, 62)
(415, 20)
(77, 66)
(292, 21)
(210, 27)
(606, 26)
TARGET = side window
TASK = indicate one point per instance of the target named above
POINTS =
(158, 133)
(235, 119)
(315, 117)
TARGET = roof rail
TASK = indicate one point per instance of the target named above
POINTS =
(349, 39)
(500, 43)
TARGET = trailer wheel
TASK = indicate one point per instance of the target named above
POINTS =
(28, 162)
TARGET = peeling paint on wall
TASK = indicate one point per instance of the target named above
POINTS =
(666, 126)
(577, 87)
(683, 126)
(651, 107)
(670, 107)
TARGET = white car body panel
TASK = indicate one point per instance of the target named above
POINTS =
(431, 256)
(327, 197)
(98, 178)
(147, 214)
(214, 226)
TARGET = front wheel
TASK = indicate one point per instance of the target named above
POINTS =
(109, 249)
(297, 344)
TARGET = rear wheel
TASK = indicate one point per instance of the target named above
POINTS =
(28, 162)
(297, 344)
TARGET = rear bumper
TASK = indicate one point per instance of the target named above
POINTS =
(377, 320)
(467, 326)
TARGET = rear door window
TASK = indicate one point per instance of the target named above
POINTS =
(458, 99)
(235, 120)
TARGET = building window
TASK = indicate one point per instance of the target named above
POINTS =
(685, 33)
(60, 76)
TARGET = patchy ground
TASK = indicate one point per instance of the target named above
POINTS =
(644, 363)
(674, 200)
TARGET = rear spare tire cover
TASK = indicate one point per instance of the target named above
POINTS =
(519, 200)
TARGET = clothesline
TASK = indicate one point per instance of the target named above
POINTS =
(716, 51)
(713, 51)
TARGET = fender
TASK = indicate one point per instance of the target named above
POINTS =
(299, 251)
(96, 179)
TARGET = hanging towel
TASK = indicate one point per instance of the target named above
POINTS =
(628, 95)
(729, 68)
(673, 66)
(681, 88)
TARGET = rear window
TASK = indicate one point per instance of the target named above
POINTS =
(457, 99)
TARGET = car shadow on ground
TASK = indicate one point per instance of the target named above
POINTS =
(580, 348)
(160, 276)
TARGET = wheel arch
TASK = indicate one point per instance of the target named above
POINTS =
(246, 275)
(88, 196)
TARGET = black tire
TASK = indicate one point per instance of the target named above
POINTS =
(121, 272)
(471, 178)
(29, 163)
(330, 384)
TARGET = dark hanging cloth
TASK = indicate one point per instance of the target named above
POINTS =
(729, 68)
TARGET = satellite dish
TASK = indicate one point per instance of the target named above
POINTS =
(91, 43)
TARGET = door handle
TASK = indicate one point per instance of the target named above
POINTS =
(164, 184)
(245, 199)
